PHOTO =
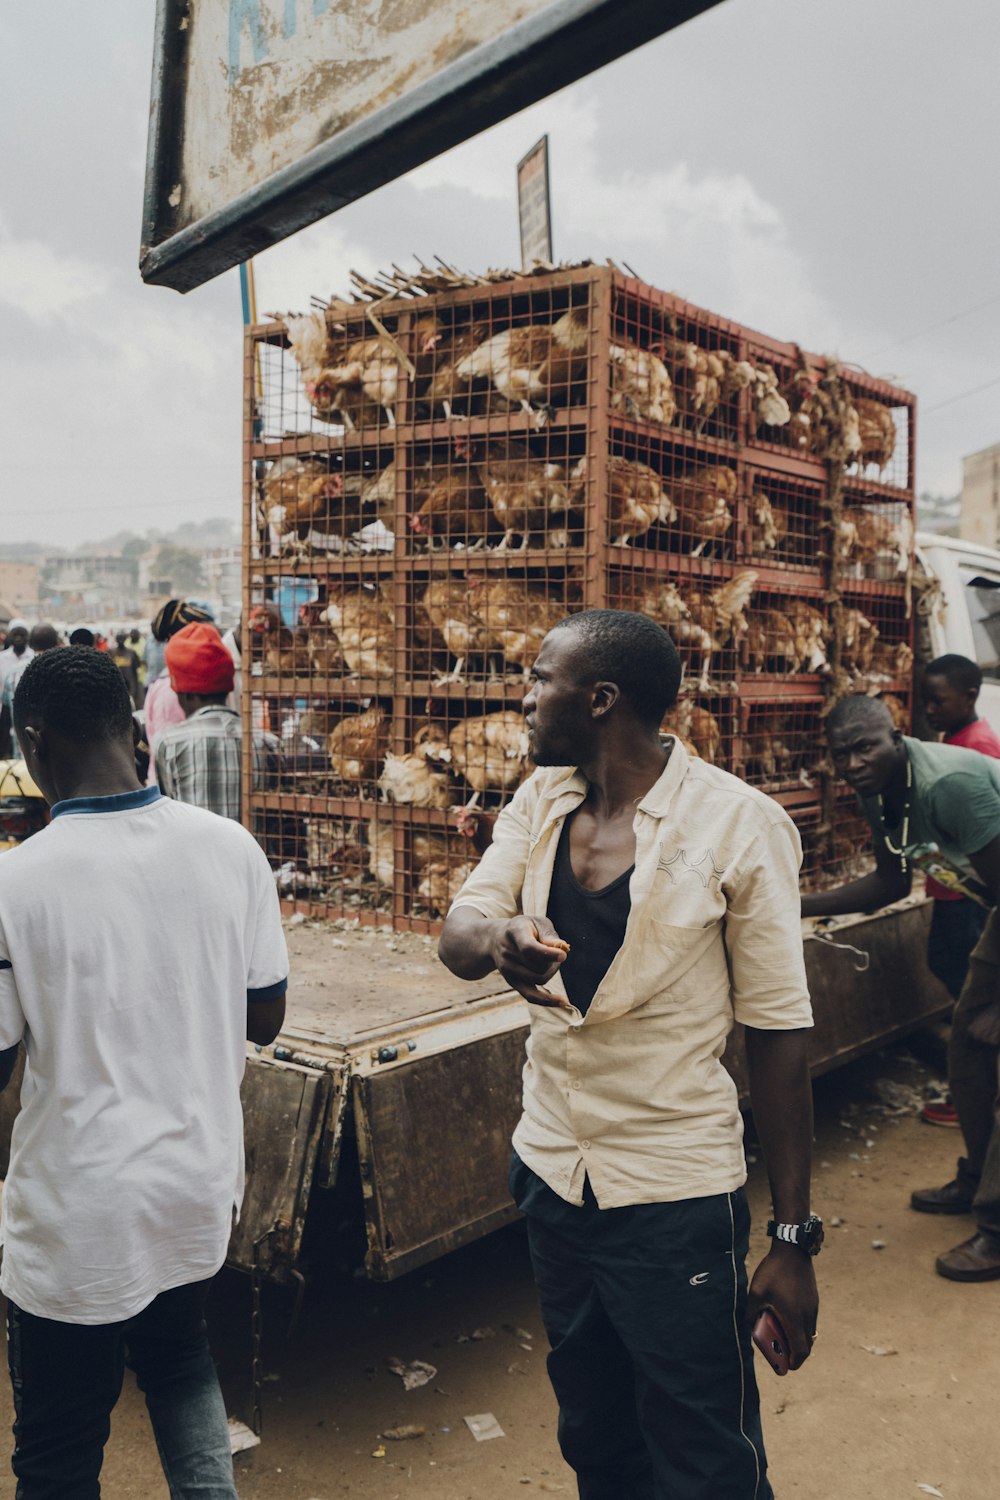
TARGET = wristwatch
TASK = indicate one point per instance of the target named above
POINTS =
(808, 1236)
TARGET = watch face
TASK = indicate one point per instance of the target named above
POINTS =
(812, 1234)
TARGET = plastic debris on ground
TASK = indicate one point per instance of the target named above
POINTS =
(404, 1433)
(929, 1489)
(241, 1438)
(413, 1375)
(879, 1349)
(484, 1426)
(878, 1244)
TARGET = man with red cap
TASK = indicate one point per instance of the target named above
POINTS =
(200, 761)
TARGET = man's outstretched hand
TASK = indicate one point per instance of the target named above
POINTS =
(527, 951)
(786, 1282)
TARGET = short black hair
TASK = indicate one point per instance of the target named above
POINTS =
(958, 671)
(634, 653)
(77, 693)
(859, 708)
(81, 636)
(43, 637)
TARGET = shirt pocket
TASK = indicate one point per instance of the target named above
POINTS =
(686, 964)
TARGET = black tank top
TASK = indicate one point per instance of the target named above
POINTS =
(592, 922)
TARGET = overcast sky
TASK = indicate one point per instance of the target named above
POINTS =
(825, 170)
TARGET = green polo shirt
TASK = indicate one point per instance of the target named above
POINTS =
(954, 812)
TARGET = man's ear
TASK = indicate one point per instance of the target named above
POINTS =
(605, 696)
(36, 739)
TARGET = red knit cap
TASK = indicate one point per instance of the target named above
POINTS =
(198, 662)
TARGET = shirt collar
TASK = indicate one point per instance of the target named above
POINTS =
(657, 800)
(143, 796)
(214, 708)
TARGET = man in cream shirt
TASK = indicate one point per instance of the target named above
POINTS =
(643, 902)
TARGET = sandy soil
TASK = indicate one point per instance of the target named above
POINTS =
(873, 1426)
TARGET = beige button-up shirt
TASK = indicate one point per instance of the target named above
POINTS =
(634, 1094)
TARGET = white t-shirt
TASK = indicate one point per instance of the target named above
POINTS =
(133, 932)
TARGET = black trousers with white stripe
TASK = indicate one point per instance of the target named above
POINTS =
(651, 1361)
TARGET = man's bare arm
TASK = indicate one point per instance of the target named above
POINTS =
(781, 1098)
(8, 1057)
(526, 951)
(887, 883)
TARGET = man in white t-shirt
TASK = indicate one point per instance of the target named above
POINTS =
(126, 1162)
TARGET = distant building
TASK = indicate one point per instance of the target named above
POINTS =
(980, 511)
(19, 588)
(223, 570)
(92, 588)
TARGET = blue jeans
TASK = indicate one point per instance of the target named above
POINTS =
(645, 1310)
(67, 1378)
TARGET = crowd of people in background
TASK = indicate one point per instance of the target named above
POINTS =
(183, 679)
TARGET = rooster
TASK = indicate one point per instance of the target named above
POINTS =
(641, 385)
(528, 495)
(490, 752)
(362, 620)
(876, 432)
(358, 745)
(702, 502)
(534, 366)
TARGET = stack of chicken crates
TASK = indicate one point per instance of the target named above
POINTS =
(438, 471)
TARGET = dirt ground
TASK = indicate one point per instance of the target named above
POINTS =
(899, 1399)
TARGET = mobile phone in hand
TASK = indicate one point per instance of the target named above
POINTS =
(769, 1336)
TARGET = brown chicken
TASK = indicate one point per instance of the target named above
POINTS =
(858, 640)
(794, 636)
(535, 366)
(358, 745)
(641, 386)
(636, 497)
(362, 620)
(823, 418)
(876, 432)
(413, 780)
(702, 500)
(721, 611)
(529, 496)
(696, 728)
(516, 616)
(437, 362)
(897, 708)
(371, 369)
(704, 378)
(451, 507)
(440, 883)
(451, 607)
(662, 601)
(769, 524)
(287, 654)
(770, 409)
(892, 660)
(424, 847)
(490, 752)
(874, 541)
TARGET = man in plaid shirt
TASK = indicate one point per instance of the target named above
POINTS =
(200, 761)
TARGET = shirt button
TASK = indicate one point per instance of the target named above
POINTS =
(577, 1084)
(584, 1145)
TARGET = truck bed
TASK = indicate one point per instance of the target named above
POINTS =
(347, 982)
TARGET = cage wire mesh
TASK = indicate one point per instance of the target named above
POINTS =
(435, 475)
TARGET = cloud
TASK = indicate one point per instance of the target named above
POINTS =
(43, 283)
(712, 237)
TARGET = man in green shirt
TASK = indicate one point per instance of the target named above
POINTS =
(937, 807)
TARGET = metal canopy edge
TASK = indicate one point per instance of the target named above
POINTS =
(533, 59)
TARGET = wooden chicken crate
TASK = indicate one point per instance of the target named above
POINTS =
(440, 469)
